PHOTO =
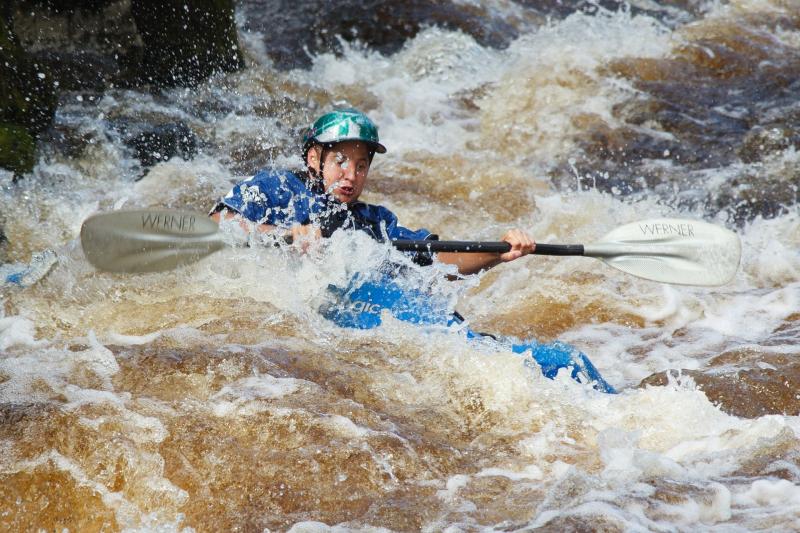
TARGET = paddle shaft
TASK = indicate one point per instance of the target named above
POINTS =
(499, 247)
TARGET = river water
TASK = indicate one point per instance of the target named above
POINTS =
(215, 398)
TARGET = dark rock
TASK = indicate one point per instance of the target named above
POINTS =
(722, 98)
(763, 141)
(6, 13)
(127, 43)
(86, 45)
(66, 141)
(96, 44)
(64, 6)
(153, 144)
(186, 42)
(17, 149)
(27, 102)
(82, 70)
(294, 28)
(757, 195)
(27, 96)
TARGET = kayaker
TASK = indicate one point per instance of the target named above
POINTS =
(338, 149)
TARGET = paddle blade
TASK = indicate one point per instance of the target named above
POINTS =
(148, 240)
(686, 252)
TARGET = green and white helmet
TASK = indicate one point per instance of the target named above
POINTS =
(340, 125)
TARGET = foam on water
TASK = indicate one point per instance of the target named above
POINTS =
(17, 330)
(168, 374)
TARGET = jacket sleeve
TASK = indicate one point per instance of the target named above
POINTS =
(269, 198)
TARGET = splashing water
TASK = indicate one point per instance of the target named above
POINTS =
(215, 397)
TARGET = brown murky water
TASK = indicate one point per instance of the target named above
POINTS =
(215, 398)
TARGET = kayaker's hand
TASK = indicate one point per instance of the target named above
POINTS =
(521, 244)
(305, 236)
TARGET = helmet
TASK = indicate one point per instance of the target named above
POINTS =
(340, 125)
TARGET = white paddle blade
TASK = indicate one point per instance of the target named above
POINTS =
(669, 250)
(148, 240)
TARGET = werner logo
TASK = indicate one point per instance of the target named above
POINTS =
(666, 229)
(360, 306)
(184, 223)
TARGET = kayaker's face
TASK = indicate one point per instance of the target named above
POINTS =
(345, 169)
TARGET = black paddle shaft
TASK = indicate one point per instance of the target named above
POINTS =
(498, 247)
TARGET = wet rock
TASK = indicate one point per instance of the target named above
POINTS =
(726, 96)
(104, 43)
(747, 383)
(86, 45)
(668, 11)
(82, 70)
(293, 29)
(64, 6)
(764, 141)
(186, 42)
(155, 143)
(27, 102)
(27, 95)
(66, 141)
(758, 195)
(17, 149)
(97, 44)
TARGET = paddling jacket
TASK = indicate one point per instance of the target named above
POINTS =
(283, 199)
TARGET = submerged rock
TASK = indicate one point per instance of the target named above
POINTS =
(720, 107)
(747, 383)
(758, 194)
(162, 142)
(762, 141)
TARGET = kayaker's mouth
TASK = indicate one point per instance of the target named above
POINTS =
(343, 190)
(345, 193)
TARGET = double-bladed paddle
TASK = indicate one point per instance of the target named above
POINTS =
(668, 250)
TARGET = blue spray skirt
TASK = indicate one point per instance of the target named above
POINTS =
(360, 304)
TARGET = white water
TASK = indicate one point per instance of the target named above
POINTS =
(605, 460)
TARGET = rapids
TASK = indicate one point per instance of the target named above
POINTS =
(215, 398)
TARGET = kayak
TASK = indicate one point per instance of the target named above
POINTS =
(361, 304)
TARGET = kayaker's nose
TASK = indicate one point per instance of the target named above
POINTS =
(348, 172)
